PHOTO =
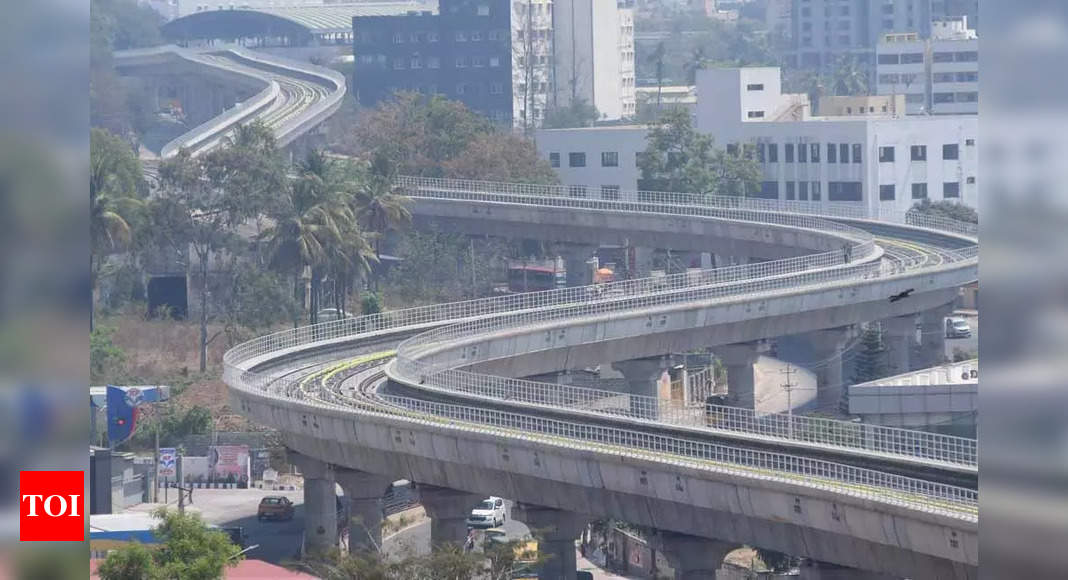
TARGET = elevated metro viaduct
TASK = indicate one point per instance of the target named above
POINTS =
(916, 529)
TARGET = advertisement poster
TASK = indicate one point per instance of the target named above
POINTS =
(228, 462)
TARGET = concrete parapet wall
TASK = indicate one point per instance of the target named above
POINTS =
(674, 496)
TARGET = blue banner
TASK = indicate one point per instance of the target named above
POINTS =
(122, 413)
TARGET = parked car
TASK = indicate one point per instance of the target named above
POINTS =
(957, 328)
(489, 513)
(275, 507)
(332, 314)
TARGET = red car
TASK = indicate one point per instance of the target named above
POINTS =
(275, 507)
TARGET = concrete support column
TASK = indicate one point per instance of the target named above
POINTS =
(741, 381)
(642, 375)
(643, 262)
(556, 531)
(692, 557)
(933, 335)
(320, 504)
(828, 346)
(900, 337)
(364, 493)
(448, 510)
(576, 256)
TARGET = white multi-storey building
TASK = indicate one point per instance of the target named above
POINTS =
(937, 75)
(594, 60)
(532, 61)
(880, 159)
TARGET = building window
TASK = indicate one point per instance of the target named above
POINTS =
(461, 62)
(773, 153)
(496, 88)
(815, 153)
(968, 77)
(433, 62)
(967, 56)
(492, 35)
(416, 63)
(950, 151)
(415, 37)
(398, 64)
(788, 152)
(609, 159)
(971, 180)
(919, 191)
(844, 191)
(816, 193)
(755, 114)
(951, 189)
(919, 152)
(856, 153)
(970, 97)
(476, 36)
(941, 98)
(478, 62)
(943, 57)
(576, 190)
(554, 159)
(494, 61)
(732, 149)
(969, 142)
(802, 153)
(754, 87)
(461, 36)
(790, 190)
(432, 37)
(802, 190)
(889, 59)
(769, 190)
(886, 192)
(843, 152)
(398, 38)
(609, 192)
(832, 153)
(576, 160)
(761, 156)
(944, 77)
(460, 88)
(483, 9)
(912, 58)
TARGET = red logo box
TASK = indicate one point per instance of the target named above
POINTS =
(52, 506)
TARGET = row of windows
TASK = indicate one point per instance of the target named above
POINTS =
(608, 159)
(950, 190)
(472, 89)
(917, 57)
(962, 56)
(607, 191)
(799, 190)
(950, 152)
(431, 36)
(957, 77)
(966, 97)
(895, 78)
(431, 62)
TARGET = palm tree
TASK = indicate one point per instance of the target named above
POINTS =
(114, 177)
(850, 78)
(379, 209)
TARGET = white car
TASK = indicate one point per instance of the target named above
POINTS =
(489, 513)
(957, 328)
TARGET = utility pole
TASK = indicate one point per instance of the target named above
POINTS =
(181, 484)
(155, 478)
(788, 386)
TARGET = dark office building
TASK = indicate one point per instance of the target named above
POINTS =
(462, 52)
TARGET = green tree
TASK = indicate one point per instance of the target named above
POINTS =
(116, 25)
(114, 183)
(947, 209)
(871, 359)
(105, 358)
(579, 113)
(501, 157)
(678, 158)
(206, 199)
(187, 549)
(850, 79)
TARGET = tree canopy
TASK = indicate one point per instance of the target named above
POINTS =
(679, 158)
(413, 134)
(947, 209)
(187, 549)
(579, 113)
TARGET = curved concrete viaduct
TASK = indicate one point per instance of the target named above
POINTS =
(463, 429)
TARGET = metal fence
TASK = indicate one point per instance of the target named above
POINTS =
(528, 309)
(848, 480)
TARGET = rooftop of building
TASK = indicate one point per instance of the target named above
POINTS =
(959, 373)
(313, 20)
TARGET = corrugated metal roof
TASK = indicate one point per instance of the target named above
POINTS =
(338, 17)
